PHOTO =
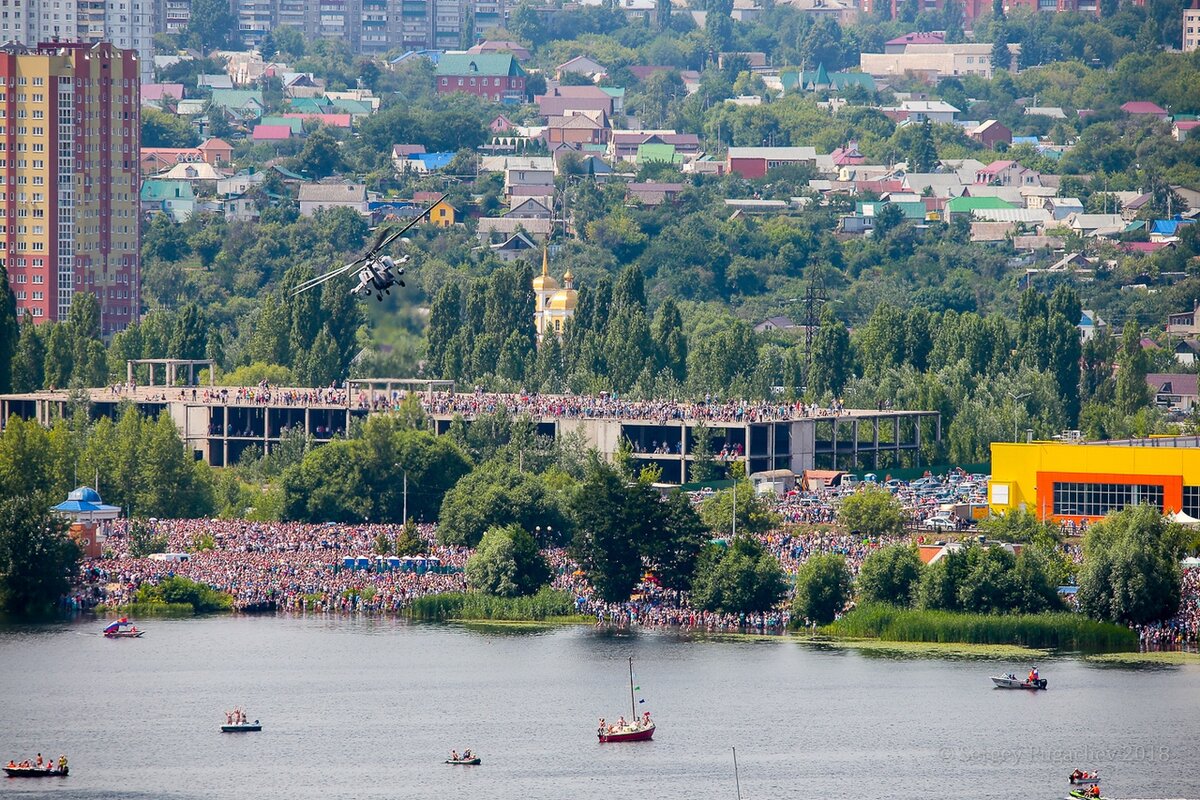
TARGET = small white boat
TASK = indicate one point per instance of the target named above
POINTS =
(1011, 681)
(242, 727)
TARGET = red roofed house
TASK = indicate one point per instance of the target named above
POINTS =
(848, 156)
(155, 159)
(1144, 108)
(563, 99)
(216, 151)
(501, 124)
(158, 92)
(1007, 173)
(898, 44)
(991, 133)
(271, 133)
(1184, 129)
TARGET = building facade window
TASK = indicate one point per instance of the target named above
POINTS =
(1097, 499)
(1191, 501)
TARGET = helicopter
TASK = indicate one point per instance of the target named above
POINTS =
(376, 273)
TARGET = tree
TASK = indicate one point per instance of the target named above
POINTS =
(754, 515)
(612, 522)
(1131, 569)
(29, 363)
(823, 585)
(212, 25)
(873, 511)
(922, 154)
(507, 563)
(672, 555)
(890, 575)
(1001, 55)
(37, 559)
(498, 494)
(143, 540)
(888, 217)
(320, 157)
(161, 129)
(1133, 393)
(742, 578)
(832, 358)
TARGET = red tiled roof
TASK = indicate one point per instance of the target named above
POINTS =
(919, 38)
(1143, 107)
(332, 120)
(266, 133)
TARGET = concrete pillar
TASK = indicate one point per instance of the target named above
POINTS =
(875, 424)
(833, 443)
(151, 365)
(854, 428)
(225, 436)
(129, 372)
(917, 426)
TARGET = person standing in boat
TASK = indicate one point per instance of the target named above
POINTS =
(62, 763)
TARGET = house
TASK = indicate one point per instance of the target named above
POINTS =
(577, 129)
(1185, 323)
(315, 196)
(753, 162)
(1008, 173)
(1063, 207)
(848, 156)
(779, 323)
(343, 121)
(500, 229)
(1144, 108)
(1096, 224)
(991, 133)
(1053, 112)
(516, 246)
(937, 111)
(564, 100)
(1186, 351)
(1173, 391)
(159, 95)
(173, 197)
(933, 62)
(491, 76)
(242, 208)
(624, 145)
(652, 193)
(968, 205)
(518, 195)
(528, 208)
(501, 124)
(657, 153)
(192, 172)
(591, 165)
(242, 103)
(519, 51)
(936, 184)
(1090, 325)
(240, 183)
(295, 125)
(422, 163)
(214, 81)
(216, 151)
(1167, 230)
(271, 133)
(152, 160)
(1182, 129)
(820, 80)
(590, 68)
(539, 172)
(442, 214)
(900, 43)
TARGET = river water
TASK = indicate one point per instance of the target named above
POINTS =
(360, 708)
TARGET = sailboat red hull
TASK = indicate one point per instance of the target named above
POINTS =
(644, 735)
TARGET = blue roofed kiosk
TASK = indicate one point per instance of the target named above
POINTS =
(89, 518)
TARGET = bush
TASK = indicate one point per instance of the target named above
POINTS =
(178, 590)
(741, 579)
(1061, 631)
(873, 511)
(890, 575)
(823, 585)
(1131, 570)
(547, 604)
(507, 564)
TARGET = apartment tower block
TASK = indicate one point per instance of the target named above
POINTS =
(69, 139)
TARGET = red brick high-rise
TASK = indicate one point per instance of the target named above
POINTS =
(69, 138)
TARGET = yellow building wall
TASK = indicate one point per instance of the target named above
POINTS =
(1016, 469)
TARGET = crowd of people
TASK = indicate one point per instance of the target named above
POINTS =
(330, 568)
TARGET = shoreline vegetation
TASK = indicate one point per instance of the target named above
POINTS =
(547, 605)
(1050, 631)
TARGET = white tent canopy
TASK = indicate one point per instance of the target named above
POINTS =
(1182, 518)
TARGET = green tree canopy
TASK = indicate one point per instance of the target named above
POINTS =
(890, 575)
(498, 494)
(1131, 572)
(742, 578)
(873, 511)
(37, 559)
(823, 586)
(507, 563)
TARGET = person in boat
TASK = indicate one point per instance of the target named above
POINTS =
(602, 727)
(11, 764)
(466, 755)
(621, 722)
(62, 763)
(1033, 675)
(39, 761)
(1094, 791)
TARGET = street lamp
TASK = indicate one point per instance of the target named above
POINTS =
(1016, 398)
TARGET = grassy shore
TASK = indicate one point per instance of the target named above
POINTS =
(1061, 631)
(545, 606)
(149, 609)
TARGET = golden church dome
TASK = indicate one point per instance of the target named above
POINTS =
(545, 282)
(563, 300)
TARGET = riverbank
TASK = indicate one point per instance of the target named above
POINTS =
(547, 606)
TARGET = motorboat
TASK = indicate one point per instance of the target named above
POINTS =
(1011, 681)
(1081, 778)
(242, 727)
(1085, 794)
(50, 771)
(473, 761)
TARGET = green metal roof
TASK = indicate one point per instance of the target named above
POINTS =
(297, 125)
(964, 205)
(658, 152)
(309, 105)
(793, 78)
(237, 98)
(155, 190)
(482, 64)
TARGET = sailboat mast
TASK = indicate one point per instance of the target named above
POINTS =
(632, 704)
(736, 782)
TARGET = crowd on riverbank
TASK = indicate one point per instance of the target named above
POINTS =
(297, 567)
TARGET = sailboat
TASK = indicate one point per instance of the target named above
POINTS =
(635, 729)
